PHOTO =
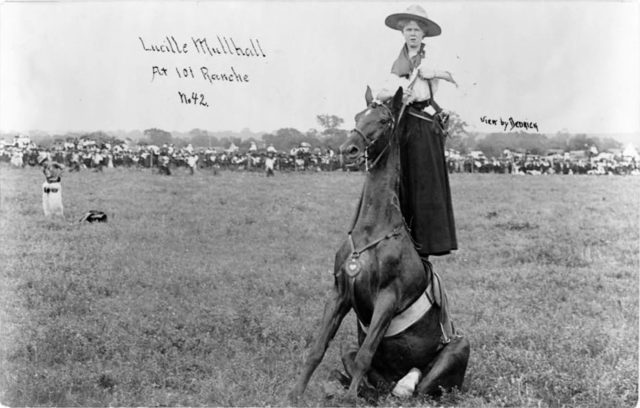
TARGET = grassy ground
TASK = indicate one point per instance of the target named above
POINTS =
(208, 290)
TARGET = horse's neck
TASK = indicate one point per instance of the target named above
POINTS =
(379, 207)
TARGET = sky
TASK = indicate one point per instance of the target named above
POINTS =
(83, 66)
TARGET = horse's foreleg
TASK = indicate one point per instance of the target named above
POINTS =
(372, 379)
(335, 310)
(448, 368)
(382, 314)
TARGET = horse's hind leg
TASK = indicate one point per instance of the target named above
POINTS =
(447, 370)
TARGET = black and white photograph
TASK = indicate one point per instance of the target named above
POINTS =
(319, 203)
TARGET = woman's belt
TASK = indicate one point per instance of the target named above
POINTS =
(420, 105)
(440, 117)
(419, 113)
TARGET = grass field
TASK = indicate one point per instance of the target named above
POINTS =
(208, 290)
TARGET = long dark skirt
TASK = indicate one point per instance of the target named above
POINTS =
(425, 195)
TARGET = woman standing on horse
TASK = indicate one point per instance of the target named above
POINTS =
(425, 195)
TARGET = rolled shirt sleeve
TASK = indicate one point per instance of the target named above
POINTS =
(390, 84)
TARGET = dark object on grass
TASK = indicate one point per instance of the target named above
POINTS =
(106, 381)
(94, 216)
(405, 335)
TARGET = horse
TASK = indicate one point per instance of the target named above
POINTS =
(404, 334)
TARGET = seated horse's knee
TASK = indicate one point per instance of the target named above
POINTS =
(348, 361)
(460, 349)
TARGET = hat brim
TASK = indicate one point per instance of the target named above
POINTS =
(433, 29)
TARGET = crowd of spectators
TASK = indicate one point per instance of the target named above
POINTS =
(583, 162)
(87, 155)
(165, 158)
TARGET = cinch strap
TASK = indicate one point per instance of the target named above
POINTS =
(405, 319)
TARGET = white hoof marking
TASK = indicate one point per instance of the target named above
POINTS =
(407, 384)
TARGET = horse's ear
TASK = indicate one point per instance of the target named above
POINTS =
(368, 95)
(396, 105)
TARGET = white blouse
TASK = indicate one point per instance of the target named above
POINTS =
(420, 87)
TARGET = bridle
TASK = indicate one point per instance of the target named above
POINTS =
(369, 142)
(353, 265)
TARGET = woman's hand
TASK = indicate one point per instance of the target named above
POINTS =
(446, 75)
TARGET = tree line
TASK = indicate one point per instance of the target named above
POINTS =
(331, 136)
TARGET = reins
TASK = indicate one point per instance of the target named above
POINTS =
(353, 266)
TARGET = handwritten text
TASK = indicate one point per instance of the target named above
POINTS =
(221, 46)
(510, 124)
(245, 53)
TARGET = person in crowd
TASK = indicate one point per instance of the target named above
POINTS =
(192, 159)
(52, 187)
(97, 161)
(269, 164)
(74, 161)
(163, 163)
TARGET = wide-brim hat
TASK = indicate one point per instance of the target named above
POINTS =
(418, 14)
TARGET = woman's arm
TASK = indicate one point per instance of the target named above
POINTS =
(389, 87)
(430, 73)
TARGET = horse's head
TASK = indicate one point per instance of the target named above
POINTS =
(374, 128)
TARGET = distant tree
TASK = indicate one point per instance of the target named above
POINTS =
(533, 143)
(609, 143)
(246, 144)
(458, 137)
(101, 138)
(332, 136)
(582, 142)
(236, 140)
(180, 141)
(158, 137)
(560, 140)
(225, 142)
(493, 144)
(313, 133)
(246, 133)
(43, 141)
(285, 139)
(202, 138)
(58, 139)
(329, 122)
(335, 139)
